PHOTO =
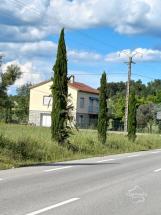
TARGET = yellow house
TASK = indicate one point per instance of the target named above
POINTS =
(83, 97)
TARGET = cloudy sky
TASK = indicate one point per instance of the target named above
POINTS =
(96, 31)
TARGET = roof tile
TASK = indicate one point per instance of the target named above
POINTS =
(77, 85)
(83, 87)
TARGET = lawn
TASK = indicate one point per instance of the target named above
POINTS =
(24, 145)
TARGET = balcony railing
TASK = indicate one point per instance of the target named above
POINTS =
(93, 109)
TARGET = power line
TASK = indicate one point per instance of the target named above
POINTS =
(22, 4)
(97, 40)
(34, 10)
(143, 76)
(82, 42)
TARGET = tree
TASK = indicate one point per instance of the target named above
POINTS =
(114, 88)
(102, 117)
(140, 88)
(8, 110)
(153, 87)
(22, 102)
(145, 116)
(59, 127)
(8, 78)
(159, 126)
(132, 117)
(117, 106)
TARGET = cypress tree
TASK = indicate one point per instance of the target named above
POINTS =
(102, 117)
(132, 117)
(59, 116)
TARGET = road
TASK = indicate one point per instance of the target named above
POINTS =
(113, 185)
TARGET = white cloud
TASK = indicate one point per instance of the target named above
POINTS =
(141, 54)
(29, 73)
(32, 21)
(29, 50)
(26, 26)
(45, 50)
(83, 55)
(127, 16)
(36, 59)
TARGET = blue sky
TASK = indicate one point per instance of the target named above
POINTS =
(105, 40)
(96, 32)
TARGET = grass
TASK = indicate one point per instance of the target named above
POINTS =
(25, 145)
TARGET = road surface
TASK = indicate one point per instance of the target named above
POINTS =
(113, 185)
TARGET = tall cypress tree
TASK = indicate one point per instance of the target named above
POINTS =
(59, 116)
(102, 117)
(132, 117)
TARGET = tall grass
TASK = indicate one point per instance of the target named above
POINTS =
(21, 145)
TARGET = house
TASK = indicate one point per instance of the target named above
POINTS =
(85, 101)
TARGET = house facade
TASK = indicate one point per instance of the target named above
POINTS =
(85, 101)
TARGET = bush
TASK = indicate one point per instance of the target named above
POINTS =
(21, 145)
(24, 149)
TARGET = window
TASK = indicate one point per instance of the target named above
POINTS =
(47, 100)
(93, 105)
(82, 102)
(81, 119)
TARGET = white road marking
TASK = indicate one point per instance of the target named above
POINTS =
(56, 169)
(132, 156)
(105, 160)
(156, 152)
(53, 206)
(157, 170)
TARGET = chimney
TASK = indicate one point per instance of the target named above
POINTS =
(72, 79)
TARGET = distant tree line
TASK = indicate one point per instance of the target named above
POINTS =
(151, 90)
(148, 98)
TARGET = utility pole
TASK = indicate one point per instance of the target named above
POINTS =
(129, 63)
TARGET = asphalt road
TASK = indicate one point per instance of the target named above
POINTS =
(113, 185)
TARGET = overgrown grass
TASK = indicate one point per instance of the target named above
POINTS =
(25, 145)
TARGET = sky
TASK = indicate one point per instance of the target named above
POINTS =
(98, 34)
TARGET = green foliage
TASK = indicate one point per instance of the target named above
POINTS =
(117, 106)
(23, 149)
(25, 145)
(132, 117)
(145, 95)
(114, 88)
(153, 87)
(21, 145)
(21, 103)
(8, 109)
(12, 73)
(60, 128)
(145, 116)
(159, 126)
(102, 117)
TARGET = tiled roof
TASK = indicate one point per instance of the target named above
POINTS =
(39, 84)
(83, 87)
(76, 85)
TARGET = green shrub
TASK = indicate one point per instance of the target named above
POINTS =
(20, 145)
